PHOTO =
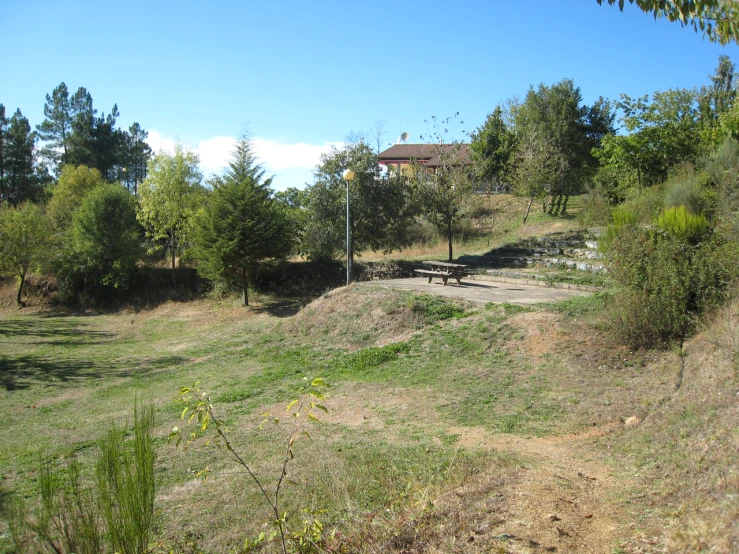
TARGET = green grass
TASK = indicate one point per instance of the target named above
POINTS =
(65, 378)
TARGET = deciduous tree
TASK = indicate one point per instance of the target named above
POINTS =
(556, 114)
(24, 234)
(103, 243)
(718, 19)
(74, 183)
(535, 168)
(168, 199)
(381, 210)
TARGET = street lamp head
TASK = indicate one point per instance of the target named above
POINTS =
(348, 175)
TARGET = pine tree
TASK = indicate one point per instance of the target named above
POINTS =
(3, 152)
(20, 180)
(56, 129)
(135, 158)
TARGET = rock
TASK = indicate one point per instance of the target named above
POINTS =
(632, 421)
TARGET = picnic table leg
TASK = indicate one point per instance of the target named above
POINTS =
(445, 278)
(430, 278)
(459, 280)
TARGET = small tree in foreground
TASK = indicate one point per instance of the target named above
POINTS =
(24, 234)
(292, 423)
(242, 225)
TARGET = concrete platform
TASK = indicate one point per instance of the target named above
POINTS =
(480, 292)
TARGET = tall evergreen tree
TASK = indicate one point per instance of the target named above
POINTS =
(56, 129)
(243, 225)
(3, 152)
(492, 145)
(136, 157)
(83, 122)
(20, 179)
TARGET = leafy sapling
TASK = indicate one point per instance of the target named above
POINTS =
(298, 414)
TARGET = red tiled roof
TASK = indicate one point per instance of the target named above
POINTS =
(427, 154)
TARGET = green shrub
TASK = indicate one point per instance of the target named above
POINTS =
(433, 308)
(682, 224)
(115, 513)
(724, 170)
(596, 209)
(665, 281)
(692, 190)
(374, 356)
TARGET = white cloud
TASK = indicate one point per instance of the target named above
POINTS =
(278, 156)
(215, 153)
(292, 163)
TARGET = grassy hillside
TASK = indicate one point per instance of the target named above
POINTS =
(450, 427)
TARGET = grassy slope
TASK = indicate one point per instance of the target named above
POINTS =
(495, 220)
(416, 406)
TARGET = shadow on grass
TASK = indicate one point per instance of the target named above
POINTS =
(281, 308)
(21, 372)
(71, 332)
(6, 498)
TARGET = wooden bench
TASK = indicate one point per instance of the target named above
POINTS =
(431, 274)
(444, 270)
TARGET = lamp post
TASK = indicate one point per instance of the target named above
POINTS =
(125, 183)
(348, 177)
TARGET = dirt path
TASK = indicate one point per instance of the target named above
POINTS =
(557, 501)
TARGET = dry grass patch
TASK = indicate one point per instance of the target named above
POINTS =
(356, 317)
(683, 457)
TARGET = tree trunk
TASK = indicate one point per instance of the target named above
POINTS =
(528, 209)
(449, 236)
(173, 245)
(20, 289)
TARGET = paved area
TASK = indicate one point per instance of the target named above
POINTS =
(481, 292)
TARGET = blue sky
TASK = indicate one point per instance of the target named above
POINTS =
(301, 75)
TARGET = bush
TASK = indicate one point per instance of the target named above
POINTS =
(596, 209)
(724, 170)
(680, 223)
(690, 188)
(666, 282)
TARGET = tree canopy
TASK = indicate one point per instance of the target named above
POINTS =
(717, 19)
(103, 243)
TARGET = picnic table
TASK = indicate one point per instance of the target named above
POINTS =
(444, 270)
